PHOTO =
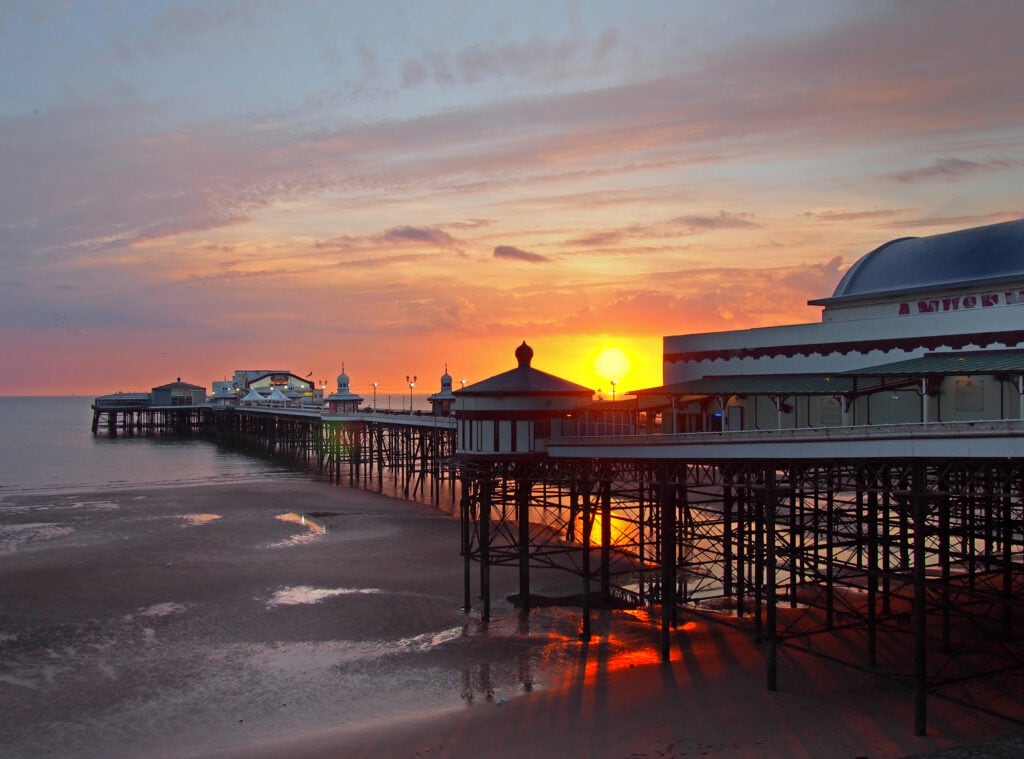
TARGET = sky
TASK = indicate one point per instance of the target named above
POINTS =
(397, 188)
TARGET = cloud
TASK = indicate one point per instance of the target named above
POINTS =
(534, 58)
(845, 216)
(955, 168)
(418, 235)
(600, 239)
(516, 254)
(724, 220)
(955, 222)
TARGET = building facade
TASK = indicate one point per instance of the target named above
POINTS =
(918, 330)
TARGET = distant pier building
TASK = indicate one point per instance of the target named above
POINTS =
(177, 405)
(247, 384)
(441, 402)
(343, 400)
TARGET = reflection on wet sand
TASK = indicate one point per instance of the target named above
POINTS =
(303, 594)
(314, 529)
(198, 519)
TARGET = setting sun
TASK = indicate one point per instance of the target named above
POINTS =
(612, 363)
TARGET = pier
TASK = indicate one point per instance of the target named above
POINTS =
(871, 545)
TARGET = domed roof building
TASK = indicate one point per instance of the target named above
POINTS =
(984, 256)
(343, 401)
(511, 413)
(895, 317)
(441, 403)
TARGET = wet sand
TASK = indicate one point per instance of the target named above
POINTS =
(213, 621)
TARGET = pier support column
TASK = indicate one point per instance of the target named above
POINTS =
(588, 523)
(872, 527)
(606, 540)
(667, 499)
(919, 506)
(770, 505)
(486, 492)
(465, 513)
(523, 487)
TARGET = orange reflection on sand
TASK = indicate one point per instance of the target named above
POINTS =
(310, 524)
(200, 518)
(622, 531)
(604, 654)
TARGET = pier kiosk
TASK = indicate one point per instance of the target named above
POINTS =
(343, 401)
(503, 424)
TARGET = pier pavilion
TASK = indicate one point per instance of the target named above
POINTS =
(441, 401)
(176, 406)
(924, 329)
(343, 400)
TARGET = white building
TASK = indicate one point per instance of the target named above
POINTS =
(920, 329)
(343, 400)
(441, 402)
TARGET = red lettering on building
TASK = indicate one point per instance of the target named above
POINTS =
(955, 302)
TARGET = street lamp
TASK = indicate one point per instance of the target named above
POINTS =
(463, 381)
(374, 394)
(614, 383)
(412, 383)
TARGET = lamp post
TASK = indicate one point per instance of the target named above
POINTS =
(614, 383)
(374, 394)
(463, 381)
(412, 383)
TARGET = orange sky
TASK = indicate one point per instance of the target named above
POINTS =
(195, 189)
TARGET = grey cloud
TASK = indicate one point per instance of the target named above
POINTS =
(724, 220)
(600, 239)
(516, 254)
(856, 215)
(954, 168)
(420, 235)
(966, 220)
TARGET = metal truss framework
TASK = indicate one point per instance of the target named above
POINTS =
(916, 563)
(360, 453)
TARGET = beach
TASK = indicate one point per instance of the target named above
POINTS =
(295, 618)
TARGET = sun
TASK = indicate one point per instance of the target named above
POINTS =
(612, 364)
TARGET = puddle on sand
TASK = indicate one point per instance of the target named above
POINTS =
(16, 536)
(315, 528)
(197, 519)
(304, 594)
(162, 610)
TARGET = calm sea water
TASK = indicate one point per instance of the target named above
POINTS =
(46, 444)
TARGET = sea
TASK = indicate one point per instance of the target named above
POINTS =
(47, 445)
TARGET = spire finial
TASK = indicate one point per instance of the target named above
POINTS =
(524, 355)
